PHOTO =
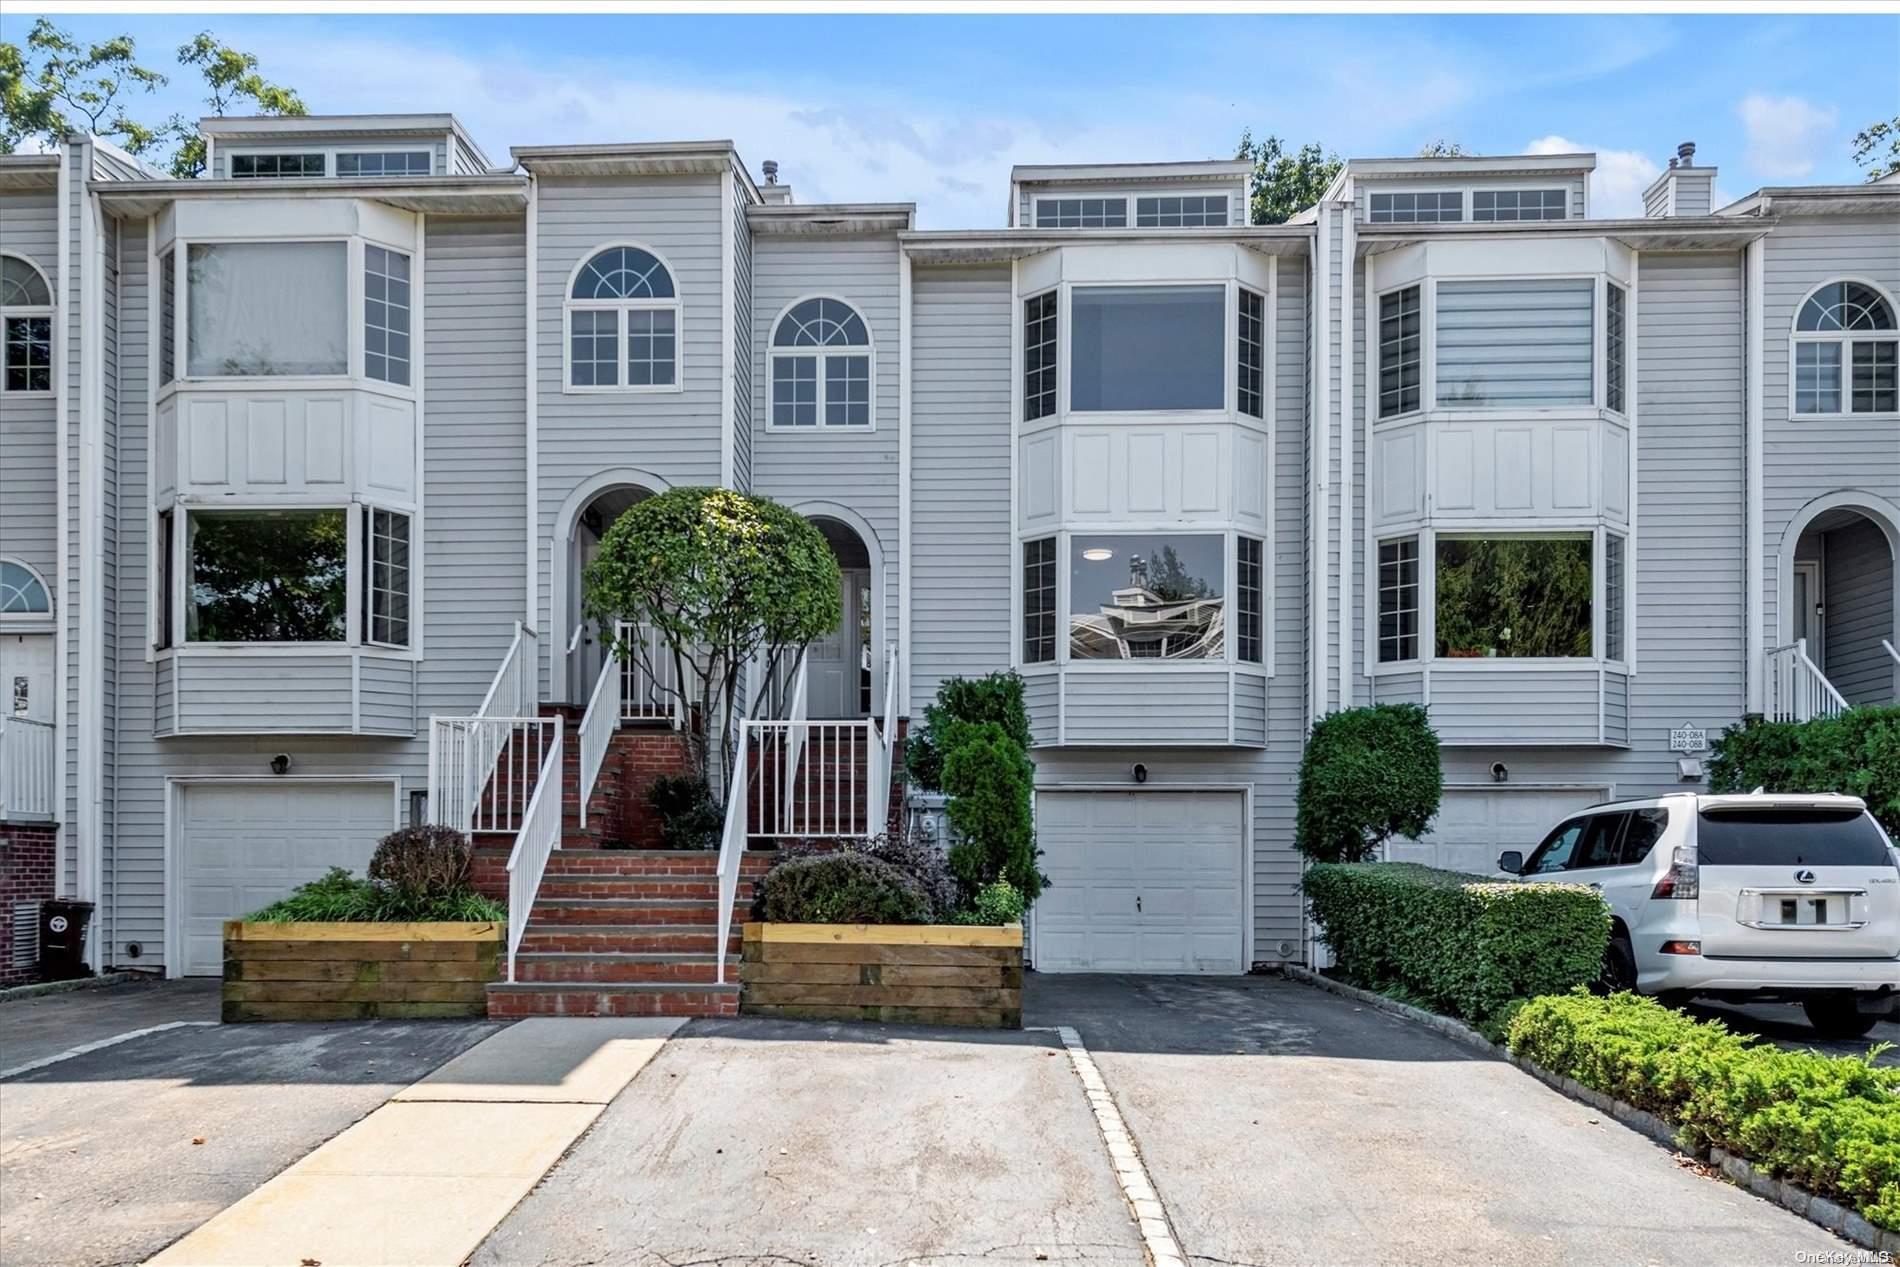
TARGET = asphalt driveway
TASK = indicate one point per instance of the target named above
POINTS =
(107, 1157)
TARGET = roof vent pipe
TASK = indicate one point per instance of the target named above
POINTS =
(770, 168)
(1686, 152)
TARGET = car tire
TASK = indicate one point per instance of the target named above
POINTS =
(1618, 973)
(1835, 1016)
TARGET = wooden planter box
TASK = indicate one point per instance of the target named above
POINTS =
(934, 974)
(334, 972)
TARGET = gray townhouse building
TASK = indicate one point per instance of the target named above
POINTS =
(300, 462)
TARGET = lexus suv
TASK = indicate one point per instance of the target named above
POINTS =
(1785, 897)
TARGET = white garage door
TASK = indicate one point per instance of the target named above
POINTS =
(247, 844)
(1475, 825)
(1140, 882)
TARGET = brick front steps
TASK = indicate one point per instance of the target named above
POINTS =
(508, 1002)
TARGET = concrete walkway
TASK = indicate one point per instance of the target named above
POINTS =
(423, 1179)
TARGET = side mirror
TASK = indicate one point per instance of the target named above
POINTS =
(1511, 862)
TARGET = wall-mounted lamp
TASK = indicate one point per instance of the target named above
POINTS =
(1140, 772)
(280, 764)
(1500, 773)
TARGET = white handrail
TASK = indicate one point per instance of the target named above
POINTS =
(27, 781)
(1797, 689)
(482, 769)
(598, 724)
(512, 692)
(649, 678)
(539, 837)
(731, 852)
(885, 754)
(791, 746)
(1890, 650)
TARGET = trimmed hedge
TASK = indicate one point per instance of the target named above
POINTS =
(1457, 943)
(1830, 1124)
(841, 888)
(1857, 753)
(1368, 774)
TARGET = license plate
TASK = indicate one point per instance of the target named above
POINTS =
(1809, 910)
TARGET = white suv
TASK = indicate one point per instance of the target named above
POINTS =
(1741, 897)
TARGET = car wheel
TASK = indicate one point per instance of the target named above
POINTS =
(1835, 1016)
(1618, 972)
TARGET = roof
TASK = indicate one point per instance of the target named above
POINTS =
(29, 171)
(985, 246)
(830, 219)
(1473, 165)
(494, 192)
(365, 125)
(1221, 169)
(636, 158)
(1654, 233)
(1876, 197)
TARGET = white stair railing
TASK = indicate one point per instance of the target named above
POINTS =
(1890, 650)
(598, 724)
(1797, 689)
(649, 677)
(498, 747)
(27, 783)
(535, 842)
(792, 740)
(884, 753)
(732, 851)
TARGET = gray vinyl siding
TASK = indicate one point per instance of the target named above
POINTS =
(1335, 369)
(1656, 199)
(29, 512)
(961, 516)
(744, 341)
(1164, 707)
(1040, 697)
(675, 436)
(462, 160)
(1857, 571)
(1809, 458)
(1498, 705)
(474, 439)
(849, 467)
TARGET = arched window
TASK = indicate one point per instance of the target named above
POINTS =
(1846, 352)
(821, 366)
(22, 592)
(623, 323)
(26, 306)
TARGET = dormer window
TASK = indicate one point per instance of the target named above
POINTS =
(623, 323)
(1194, 212)
(1416, 208)
(1846, 352)
(383, 163)
(821, 366)
(1081, 213)
(276, 166)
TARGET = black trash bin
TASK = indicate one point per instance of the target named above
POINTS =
(63, 939)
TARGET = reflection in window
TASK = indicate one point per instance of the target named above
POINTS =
(267, 576)
(1513, 597)
(266, 308)
(1147, 597)
(1147, 347)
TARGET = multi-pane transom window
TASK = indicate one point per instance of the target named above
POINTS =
(1081, 213)
(623, 323)
(1846, 352)
(1039, 601)
(1249, 600)
(1398, 600)
(1519, 204)
(386, 577)
(1415, 208)
(276, 166)
(384, 163)
(26, 308)
(1615, 364)
(1039, 356)
(1399, 341)
(386, 314)
(1250, 367)
(821, 366)
(1194, 211)
(22, 593)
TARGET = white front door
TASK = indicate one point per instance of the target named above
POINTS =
(26, 675)
(245, 845)
(834, 680)
(1807, 609)
(1141, 882)
(1475, 825)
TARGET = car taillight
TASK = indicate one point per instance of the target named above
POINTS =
(1683, 881)
(1680, 948)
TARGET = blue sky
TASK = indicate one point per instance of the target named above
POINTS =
(935, 109)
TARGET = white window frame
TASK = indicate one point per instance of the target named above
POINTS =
(1561, 188)
(48, 311)
(1375, 583)
(1240, 291)
(571, 305)
(1428, 398)
(1439, 191)
(1845, 340)
(1604, 287)
(30, 622)
(1427, 351)
(329, 153)
(411, 308)
(276, 151)
(333, 163)
(1135, 201)
(774, 353)
(368, 511)
(1230, 350)
(1128, 212)
(1056, 409)
(1230, 638)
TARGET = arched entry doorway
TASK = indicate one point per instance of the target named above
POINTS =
(585, 646)
(1838, 596)
(843, 668)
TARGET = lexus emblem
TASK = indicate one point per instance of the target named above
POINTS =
(1804, 876)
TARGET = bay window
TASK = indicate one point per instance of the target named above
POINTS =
(385, 315)
(267, 575)
(1250, 600)
(1615, 355)
(1614, 597)
(1251, 360)
(1400, 337)
(1135, 348)
(1039, 601)
(1513, 597)
(1398, 600)
(1524, 342)
(266, 309)
(1147, 596)
(1039, 356)
(386, 577)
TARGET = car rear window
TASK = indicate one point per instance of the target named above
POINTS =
(1786, 838)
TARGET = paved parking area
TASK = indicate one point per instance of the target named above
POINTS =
(110, 1156)
(1786, 1025)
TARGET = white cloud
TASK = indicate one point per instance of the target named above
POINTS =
(1784, 133)
(1617, 184)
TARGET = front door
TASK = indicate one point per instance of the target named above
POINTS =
(1808, 609)
(26, 675)
(834, 681)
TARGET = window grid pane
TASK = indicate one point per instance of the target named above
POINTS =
(1518, 204)
(167, 315)
(1399, 342)
(1197, 212)
(847, 391)
(1415, 208)
(384, 163)
(1875, 384)
(1039, 601)
(795, 391)
(1081, 213)
(386, 315)
(1248, 600)
(594, 359)
(274, 166)
(1817, 378)
(387, 578)
(1250, 368)
(1398, 600)
(29, 354)
(1613, 349)
(651, 346)
(1039, 356)
(1612, 597)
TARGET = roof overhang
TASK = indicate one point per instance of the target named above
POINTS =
(839, 219)
(499, 193)
(1661, 233)
(654, 158)
(991, 246)
(1819, 200)
(1212, 170)
(29, 171)
(1497, 165)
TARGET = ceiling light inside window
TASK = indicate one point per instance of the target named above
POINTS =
(1098, 554)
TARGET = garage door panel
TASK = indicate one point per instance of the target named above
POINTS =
(1475, 825)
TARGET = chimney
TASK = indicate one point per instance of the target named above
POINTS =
(1683, 189)
(775, 194)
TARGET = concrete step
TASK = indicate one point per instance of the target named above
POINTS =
(507, 1001)
(620, 939)
(617, 968)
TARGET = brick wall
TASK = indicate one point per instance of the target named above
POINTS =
(27, 853)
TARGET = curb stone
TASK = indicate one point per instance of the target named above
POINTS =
(38, 988)
(1823, 1213)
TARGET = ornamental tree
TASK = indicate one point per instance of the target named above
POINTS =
(1368, 774)
(722, 576)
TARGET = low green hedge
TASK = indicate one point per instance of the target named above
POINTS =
(1857, 753)
(1457, 943)
(1830, 1124)
(844, 887)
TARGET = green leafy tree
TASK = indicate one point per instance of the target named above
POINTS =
(1286, 181)
(722, 576)
(989, 779)
(1368, 774)
(997, 697)
(53, 86)
(1514, 597)
(1170, 581)
(1877, 148)
(1441, 148)
(269, 576)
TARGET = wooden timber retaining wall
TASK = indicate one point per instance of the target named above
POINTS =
(332, 972)
(933, 974)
